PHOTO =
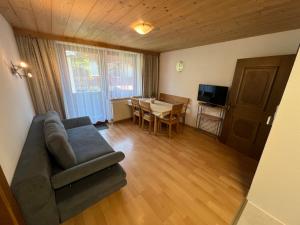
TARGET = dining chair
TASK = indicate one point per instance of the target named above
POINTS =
(146, 114)
(136, 110)
(172, 118)
(173, 99)
(183, 112)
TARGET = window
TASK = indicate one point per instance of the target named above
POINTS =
(91, 77)
(123, 80)
(84, 72)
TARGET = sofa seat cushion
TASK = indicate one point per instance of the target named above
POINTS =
(87, 143)
(83, 170)
(73, 199)
(57, 142)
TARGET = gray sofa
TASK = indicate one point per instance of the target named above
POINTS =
(50, 191)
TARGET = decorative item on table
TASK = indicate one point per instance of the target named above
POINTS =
(20, 70)
(152, 100)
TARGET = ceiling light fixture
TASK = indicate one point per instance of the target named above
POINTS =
(143, 28)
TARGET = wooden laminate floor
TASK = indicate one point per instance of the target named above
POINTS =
(191, 179)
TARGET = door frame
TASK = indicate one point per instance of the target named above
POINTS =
(10, 213)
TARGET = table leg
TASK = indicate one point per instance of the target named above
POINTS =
(155, 125)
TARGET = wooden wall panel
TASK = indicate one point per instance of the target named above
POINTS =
(177, 24)
(19, 31)
(61, 10)
(80, 10)
(96, 14)
(24, 12)
(43, 15)
(7, 11)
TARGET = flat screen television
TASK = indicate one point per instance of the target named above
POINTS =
(212, 94)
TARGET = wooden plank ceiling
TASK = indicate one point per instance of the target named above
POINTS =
(178, 23)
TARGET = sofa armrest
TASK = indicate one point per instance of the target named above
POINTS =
(84, 169)
(76, 122)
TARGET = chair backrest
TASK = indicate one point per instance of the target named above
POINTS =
(145, 106)
(185, 105)
(163, 97)
(173, 99)
(176, 110)
(135, 104)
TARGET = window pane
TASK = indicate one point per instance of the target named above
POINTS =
(84, 72)
(92, 76)
(122, 74)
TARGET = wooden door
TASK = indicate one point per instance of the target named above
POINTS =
(256, 91)
(9, 211)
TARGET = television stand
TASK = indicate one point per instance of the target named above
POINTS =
(210, 118)
(208, 104)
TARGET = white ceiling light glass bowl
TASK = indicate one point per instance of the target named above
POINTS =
(143, 28)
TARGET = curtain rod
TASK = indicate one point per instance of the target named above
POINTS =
(21, 31)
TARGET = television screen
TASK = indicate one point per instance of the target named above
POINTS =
(212, 94)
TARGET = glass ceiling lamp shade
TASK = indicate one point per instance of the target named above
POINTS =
(143, 28)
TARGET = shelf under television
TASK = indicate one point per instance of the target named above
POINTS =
(211, 117)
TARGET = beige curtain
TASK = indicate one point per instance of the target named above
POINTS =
(45, 85)
(150, 75)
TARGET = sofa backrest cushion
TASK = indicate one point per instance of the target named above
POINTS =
(31, 182)
(57, 142)
(53, 117)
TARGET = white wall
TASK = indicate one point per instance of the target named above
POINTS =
(16, 109)
(215, 63)
(276, 186)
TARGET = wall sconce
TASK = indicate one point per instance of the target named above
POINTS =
(20, 70)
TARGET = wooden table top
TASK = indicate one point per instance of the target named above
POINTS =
(158, 108)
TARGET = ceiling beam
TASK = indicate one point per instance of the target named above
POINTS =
(20, 31)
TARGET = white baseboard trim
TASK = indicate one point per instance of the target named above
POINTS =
(251, 214)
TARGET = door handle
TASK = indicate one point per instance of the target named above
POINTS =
(269, 120)
(228, 107)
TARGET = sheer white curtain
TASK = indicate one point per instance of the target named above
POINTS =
(92, 76)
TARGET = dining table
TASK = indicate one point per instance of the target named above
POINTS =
(159, 109)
